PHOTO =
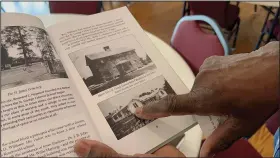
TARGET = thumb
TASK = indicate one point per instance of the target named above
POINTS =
(92, 148)
(225, 135)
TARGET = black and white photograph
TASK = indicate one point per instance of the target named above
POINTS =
(119, 111)
(27, 56)
(108, 64)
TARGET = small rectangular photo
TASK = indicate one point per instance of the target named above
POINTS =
(119, 110)
(109, 64)
(27, 56)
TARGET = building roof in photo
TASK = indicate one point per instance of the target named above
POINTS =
(119, 110)
(141, 99)
(103, 54)
(148, 96)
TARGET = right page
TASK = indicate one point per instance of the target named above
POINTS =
(116, 68)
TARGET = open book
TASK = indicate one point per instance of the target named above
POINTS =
(82, 79)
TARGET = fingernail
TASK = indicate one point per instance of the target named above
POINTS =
(138, 111)
(82, 148)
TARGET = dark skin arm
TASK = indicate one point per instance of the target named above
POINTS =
(243, 87)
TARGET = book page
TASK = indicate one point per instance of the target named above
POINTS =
(116, 68)
(40, 114)
(209, 123)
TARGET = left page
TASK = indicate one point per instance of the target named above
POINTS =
(40, 114)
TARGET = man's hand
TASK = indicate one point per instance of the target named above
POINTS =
(91, 148)
(243, 87)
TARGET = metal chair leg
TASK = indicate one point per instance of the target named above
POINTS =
(273, 26)
(229, 35)
(270, 29)
(255, 8)
(262, 31)
(236, 34)
(2, 9)
(101, 6)
(184, 9)
(259, 41)
(237, 4)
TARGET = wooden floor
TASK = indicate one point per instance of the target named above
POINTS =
(160, 18)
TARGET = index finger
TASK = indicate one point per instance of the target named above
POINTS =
(200, 101)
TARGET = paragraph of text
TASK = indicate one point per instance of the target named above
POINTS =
(92, 33)
(60, 141)
(32, 107)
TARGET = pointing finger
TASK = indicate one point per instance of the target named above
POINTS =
(200, 101)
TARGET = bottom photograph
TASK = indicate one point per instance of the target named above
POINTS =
(119, 110)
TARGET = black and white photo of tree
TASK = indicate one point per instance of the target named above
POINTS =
(27, 56)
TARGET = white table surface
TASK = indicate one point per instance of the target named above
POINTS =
(268, 4)
(190, 144)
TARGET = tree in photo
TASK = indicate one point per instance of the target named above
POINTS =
(45, 46)
(18, 36)
(168, 89)
(6, 61)
(4, 56)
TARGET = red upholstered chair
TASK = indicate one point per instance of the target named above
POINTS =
(76, 7)
(272, 123)
(195, 45)
(225, 14)
(241, 148)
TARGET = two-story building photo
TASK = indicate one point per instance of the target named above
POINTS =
(112, 64)
(109, 64)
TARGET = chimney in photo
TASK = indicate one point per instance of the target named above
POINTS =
(107, 48)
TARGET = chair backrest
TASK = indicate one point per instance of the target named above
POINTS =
(241, 148)
(76, 7)
(214, 10)
(273, 122)
(194, 44)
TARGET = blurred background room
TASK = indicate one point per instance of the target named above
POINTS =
(160, 18)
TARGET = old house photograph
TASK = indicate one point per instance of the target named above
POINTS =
(27, 56)
(109, 64)
(119, 110)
